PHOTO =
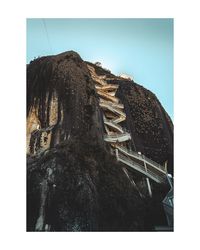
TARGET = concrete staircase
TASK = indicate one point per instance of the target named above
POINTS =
(113, 114)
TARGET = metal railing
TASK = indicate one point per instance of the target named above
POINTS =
(117, 137)
(159, 177)
(112, 109)
(113, 124)
(142, 158)
(115, 105)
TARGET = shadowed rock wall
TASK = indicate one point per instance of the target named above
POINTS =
(73, 182)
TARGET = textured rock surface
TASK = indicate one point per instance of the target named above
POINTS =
(73, 183)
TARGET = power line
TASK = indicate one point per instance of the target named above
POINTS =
(45, 27)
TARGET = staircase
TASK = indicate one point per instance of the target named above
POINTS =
(113, 114)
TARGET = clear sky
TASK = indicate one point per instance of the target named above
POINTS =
(142, 48)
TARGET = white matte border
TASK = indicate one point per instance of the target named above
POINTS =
(13, 99)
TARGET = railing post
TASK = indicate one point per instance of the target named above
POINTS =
(165, 166)
(117, 153)
(149, 186)
(147, 179)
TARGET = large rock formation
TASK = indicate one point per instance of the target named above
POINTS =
(73, 182)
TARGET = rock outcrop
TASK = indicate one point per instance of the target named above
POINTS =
(73, 182)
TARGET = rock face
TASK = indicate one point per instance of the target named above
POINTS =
(73, 182)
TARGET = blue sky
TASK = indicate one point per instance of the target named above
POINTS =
(142, 48)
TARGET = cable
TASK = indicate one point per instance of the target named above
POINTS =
(45, 27)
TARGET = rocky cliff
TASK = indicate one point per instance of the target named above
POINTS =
(74, 183)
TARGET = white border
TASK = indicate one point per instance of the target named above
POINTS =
(12, 185)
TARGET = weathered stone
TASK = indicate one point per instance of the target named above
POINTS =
(83, 187)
